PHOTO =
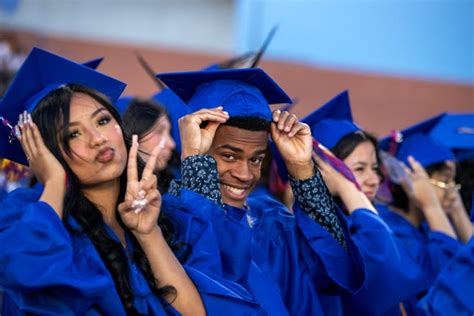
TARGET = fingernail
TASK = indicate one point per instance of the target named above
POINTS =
(141, 194)
(287, 128)
(134, 140)
(226, 113)
(139, 203)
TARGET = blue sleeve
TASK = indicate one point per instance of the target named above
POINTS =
(339, 269)
(278, 252)
(439, 250)
(392, 275)
(313, 197)
(41, 269)
(223, 297)
(452, 293)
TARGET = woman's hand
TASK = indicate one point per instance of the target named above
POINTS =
(420, 191)
(42, 162)
(47, 169)
(141, 207)
(339, 185)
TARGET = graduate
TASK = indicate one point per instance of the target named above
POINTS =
(224, 140)
(150, 122)
(456, 131)
(423, 200)
(93, 241)
(391, 277)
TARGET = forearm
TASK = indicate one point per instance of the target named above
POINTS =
(199, 174)
(437, 219)
(461, 223)
(168, 272)
(354, 199)
(313, 197)
(53, 194)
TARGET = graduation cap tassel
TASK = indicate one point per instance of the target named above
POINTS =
(14, 132)
(150, 71)
(262, 50)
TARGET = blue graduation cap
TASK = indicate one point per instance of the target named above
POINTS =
(41, 73)
(94, 63)
(122, 103)
(241, 92)
(332, 121)
(418, 141)
(455, 130)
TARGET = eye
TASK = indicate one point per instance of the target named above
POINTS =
(359, 169)
(257, 160)
(104, 119)
(73, 134)
(228, 157)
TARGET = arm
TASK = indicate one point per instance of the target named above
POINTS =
(453, 206)
(199, 171)
(294, 142)
(168, 271)
(200, 175)
(139, 212)
(424, 196)
(44, 165)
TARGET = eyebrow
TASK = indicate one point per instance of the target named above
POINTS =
(238, 150)
(230, 147)
(92, 115)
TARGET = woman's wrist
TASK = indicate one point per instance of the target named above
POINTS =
(145, 238)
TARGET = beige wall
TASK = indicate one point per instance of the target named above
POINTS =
(380, 103)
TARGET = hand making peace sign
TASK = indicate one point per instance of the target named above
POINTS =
(141, 207)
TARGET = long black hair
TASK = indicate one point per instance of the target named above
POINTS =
(139, 118)
(53, 111)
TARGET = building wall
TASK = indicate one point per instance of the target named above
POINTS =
(380, 102)
(199, 25)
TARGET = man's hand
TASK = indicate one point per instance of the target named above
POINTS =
(194, 139)
(293, 140)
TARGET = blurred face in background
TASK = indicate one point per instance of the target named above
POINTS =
(443, 180)
(363, 163)
(158, 135)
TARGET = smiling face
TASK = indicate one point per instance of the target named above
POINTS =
(239, 154)
(158, 135)
(363, 163)
(98, 152)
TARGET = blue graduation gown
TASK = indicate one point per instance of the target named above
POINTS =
(47, 270)
(234, 251)
(296, 259)
(453, 291)
(392, 276)
(53, 272)
(424, 250)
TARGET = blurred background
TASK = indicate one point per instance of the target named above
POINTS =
(402, 61)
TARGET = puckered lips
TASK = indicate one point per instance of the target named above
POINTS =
(105, 155)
